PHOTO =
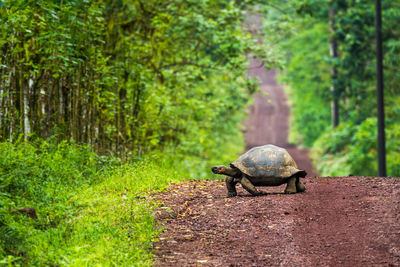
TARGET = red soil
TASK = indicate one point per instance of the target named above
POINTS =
(340, 221)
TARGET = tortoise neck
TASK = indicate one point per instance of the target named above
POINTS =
(232, 172)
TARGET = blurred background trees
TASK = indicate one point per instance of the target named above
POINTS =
(133, 78)
(127, 77)
(309, 27)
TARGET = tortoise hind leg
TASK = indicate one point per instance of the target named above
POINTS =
(246, 183)
(231, 186)
(300, 186)
(291, 186)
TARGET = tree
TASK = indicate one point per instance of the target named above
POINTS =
(127, 77)
(334, 71)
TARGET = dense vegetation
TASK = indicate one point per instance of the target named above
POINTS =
(100, 102)
(89, 209)
(127, 77)
(304, 40)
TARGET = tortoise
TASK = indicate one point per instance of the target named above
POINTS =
(266, 165)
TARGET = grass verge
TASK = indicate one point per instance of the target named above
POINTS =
(90, 210)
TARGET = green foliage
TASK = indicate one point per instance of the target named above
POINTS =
(130, 77)
(91, 210)
(351, 148)
(112, 222)
(43, 176)
(307, 88)
(160, 80)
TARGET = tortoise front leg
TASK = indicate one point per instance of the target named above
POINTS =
(246, 183)
(231, 186)
(291, 186)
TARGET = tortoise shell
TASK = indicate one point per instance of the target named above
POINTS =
(267, 161)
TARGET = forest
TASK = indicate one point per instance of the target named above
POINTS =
(103, 102)
(346, 143)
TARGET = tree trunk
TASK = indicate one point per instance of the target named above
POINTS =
(135, 113)
(75, 107)
(13, 101)
(60, 101)
(27, 124)
(3, 106)
(122, 125)
(334, 72)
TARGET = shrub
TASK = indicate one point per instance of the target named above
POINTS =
(351, 149)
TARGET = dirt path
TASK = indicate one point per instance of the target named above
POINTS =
(268, 119)
(340, 221)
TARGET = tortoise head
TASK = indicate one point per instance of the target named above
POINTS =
(221, 169)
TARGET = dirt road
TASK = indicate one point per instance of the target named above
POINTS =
(338, 221)
(268, 120)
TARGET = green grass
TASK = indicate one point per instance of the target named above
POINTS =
(92, 211)
(111, 224)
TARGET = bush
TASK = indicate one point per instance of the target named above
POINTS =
(351, 149)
